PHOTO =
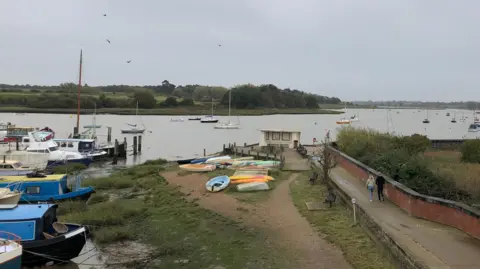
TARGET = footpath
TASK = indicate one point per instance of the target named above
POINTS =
(435, 245)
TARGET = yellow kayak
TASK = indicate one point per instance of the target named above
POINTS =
(248, 180)
(242, 177)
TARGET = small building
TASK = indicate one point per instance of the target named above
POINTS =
(278, 137)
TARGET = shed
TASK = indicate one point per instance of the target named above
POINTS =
(279, 137)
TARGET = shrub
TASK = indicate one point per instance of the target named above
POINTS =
(155, 162)
(470, 150)
(69, 168)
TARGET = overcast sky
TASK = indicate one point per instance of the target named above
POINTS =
(353, 49)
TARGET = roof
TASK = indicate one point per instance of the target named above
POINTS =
(25, 178)
(279, 130)
(72, 140)
(25, 211)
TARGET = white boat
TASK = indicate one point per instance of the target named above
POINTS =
(9, 199)
(177, 120)
(85, 147)
(3, 130)
(253, 186)
(218, 159)
(474, 127)
(38, 143)
(14, 168)
(210, 118)
(198, 167)
(195, 118)
(229, 124)
(10, 251)
(344, 121)
(133, 127)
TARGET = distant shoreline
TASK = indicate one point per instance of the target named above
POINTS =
(179, 111)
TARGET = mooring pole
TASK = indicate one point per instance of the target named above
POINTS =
(139, 144)
(135, 145)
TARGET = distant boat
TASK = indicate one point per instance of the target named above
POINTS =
(344, 121)
(229, 124)
(176, 120)
(210, 118)
(195, 118)
(453, 119)
(426, 120)
(134, 129)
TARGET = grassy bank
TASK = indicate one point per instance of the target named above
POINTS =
(137, 204)
(169, 111)
(336, 224)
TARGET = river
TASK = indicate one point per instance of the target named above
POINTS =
(175, 140)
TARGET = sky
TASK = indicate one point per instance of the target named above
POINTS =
(425, 50)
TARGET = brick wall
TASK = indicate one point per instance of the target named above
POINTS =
(458, 215)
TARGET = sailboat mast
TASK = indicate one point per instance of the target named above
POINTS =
(79, 90)
(212, 106)
(229, 103)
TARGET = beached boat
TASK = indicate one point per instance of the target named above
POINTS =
(217, 184)
(249, 180)
(43, 239)
(253, 186)
(9, 198)
(198, 167)
(42, 188)
(185, 161)
(218, 159)
(242, 177)
(10, 251)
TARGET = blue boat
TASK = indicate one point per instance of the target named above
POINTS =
(83, 160)
(10, 251)
(43, 239)
(217, 184)
(43, 188)
(199, 160)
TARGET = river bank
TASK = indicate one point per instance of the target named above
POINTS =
(179, 111)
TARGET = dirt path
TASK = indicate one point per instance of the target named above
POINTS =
(277, 215)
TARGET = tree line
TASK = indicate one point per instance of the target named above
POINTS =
(125, 96)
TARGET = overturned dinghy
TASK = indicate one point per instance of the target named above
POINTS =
(253, 186)
(217, 184)
(198, 167)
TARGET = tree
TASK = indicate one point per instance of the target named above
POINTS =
(170, 101)
(326, 158)
(145, 99)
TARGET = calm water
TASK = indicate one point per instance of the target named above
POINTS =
(175, 140)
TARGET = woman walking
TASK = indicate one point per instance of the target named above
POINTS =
(370, 186)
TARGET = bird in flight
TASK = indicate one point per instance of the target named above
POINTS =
(108, 41)
(129, 61)
(219, 45)
(104, 15)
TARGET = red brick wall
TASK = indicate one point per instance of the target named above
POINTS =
(431, 211)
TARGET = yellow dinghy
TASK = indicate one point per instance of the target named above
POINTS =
(242, 177)
(198, 167)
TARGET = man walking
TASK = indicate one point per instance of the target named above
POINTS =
(380, 181)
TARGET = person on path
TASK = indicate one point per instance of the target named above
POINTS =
(380, 181)
(370, 186)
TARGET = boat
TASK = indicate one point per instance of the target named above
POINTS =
(198, 167)
(356, 116)
(133, 127)
(85, 147)
(344, 121)
(9, 198)
(10, 251)
(448, 114)
(185, 161)
(15, 133)
(249, 180)
(44, 240)
(229, 124)
(218, 159)
(198, 160)
(426, 120)
(217, 184)
(32, 160)
(43, 143)
(210, 118)
(253, 186)
(251, 172)
(89, 126)
(14, 168)
(194, 118)
(176, 120)
(38, 187)
(242, 177)
(474, 127)
(453, 118)
(3, 130)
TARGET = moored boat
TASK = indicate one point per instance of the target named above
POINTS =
(10, 251)
(14, 168)
(344, 121)
(42, 188)
(43, 239)
(85, 147)
(198, 167)
(9, 198)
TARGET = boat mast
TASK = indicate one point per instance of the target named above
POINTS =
(229, 104)
(78, 92)
(212, 106)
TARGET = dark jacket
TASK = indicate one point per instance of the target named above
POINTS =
(380, 181)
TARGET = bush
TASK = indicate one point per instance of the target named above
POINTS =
(69, 168)
(470, 150)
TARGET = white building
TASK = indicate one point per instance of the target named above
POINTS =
(277, 137)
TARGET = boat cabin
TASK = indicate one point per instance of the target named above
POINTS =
(278, 137)
(12, 165)
(76, 145)
(19, 131)
(29, 221)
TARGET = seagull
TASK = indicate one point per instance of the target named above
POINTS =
(219, 45)
(104, 15)
(108, 41)
(129, 61)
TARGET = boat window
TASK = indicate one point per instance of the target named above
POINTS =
(70, 145)
(286, 136)
(267, 135)
(85, 146)
(6, 166)
(63, 145)
(275, 136)
(33, 190)
(53, 148)
(17, 165)
(26, 140)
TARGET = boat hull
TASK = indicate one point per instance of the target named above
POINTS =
(198, 167)
(208, 121)
(13, 263)
(80, 194)
(217, 184)
(85, 161)
(133, 131)
(12, 258)
(60, 248)
(186, 161)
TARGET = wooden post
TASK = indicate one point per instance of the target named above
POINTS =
(258, 155)
(245, 144)
(139, 143)
(204, 152)
(248, 152)
(109, 134)
(235, 144)
(115, 152)
(223, 148)
(18, 143)
(4, 158)
(275, 156)
(135, 145)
